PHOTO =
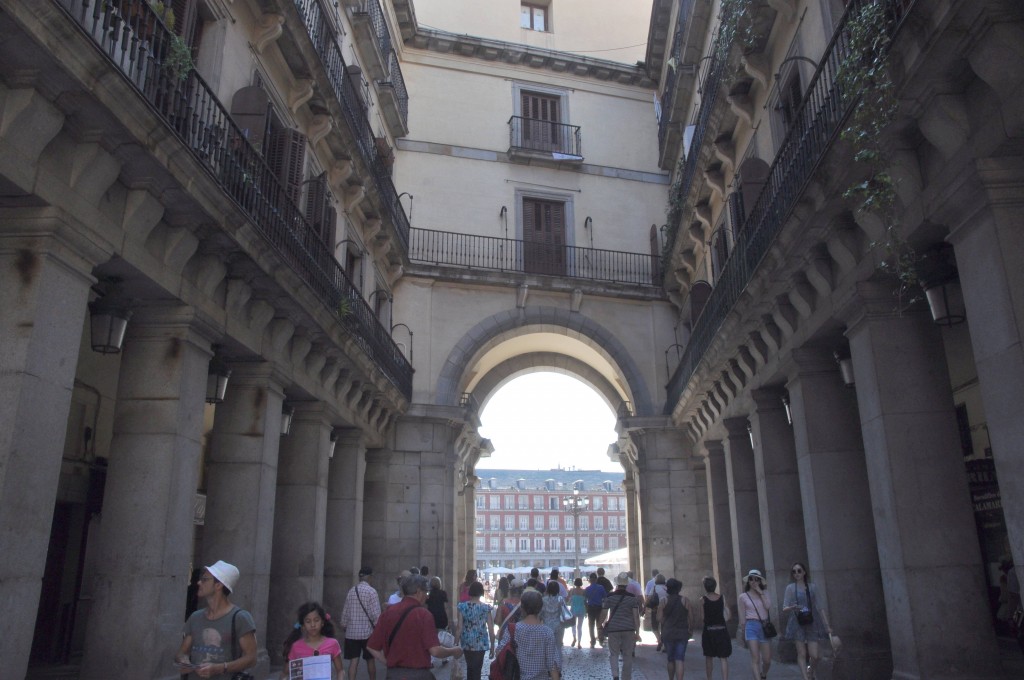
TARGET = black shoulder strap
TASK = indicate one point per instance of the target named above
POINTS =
(394, 631)
(234, 638)
(373, 624)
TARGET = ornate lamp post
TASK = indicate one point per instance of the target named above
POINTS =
(576, 505)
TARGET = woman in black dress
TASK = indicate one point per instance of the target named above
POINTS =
(715, 639)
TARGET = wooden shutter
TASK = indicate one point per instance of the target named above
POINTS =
(540, 121)
(737, 216)
(544, 236)
(320, 214)
(286, 156)
(186, 20)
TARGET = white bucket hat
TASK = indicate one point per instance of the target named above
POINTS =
(226, 573)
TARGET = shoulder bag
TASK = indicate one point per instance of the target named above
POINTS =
(805, 615)
(767, 626)
(506, 665)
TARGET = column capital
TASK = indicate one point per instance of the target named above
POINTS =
(163, 320)
(53, 231)
(737, 427)
(714, 448)
(768, 398)
(994, 182)
(870, 300)
(814, 360)
(258, 374)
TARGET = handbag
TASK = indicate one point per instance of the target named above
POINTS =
(505, 665)
(766, 626)
(566, 616)
(805, 616)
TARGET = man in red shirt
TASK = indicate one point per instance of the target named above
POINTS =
(405, 637)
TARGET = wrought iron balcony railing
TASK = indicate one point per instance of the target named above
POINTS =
(819, 121)
(544, 136)
(493, 253)
(138, 45)
(346, 91)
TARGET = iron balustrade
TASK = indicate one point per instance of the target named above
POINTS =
(373, 11)
(493, 253)
(544, 135)
(397, 82)
(131, 35)
(821, 115)
(346, 92)
(668, 94)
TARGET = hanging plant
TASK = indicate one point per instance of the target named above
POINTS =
(178, 60)
(863, 77)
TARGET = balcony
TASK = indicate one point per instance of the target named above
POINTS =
(490, 253)
(819, 121)
(531, 140)
(137, 44)
(372, 37)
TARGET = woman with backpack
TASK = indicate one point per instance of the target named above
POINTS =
(807, 626)
(676, 617)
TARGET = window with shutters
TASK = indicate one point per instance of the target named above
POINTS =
(187, 22)
(534, 16)
(286, 156)
(321, 216)
(541, 124)
(721, 246)
(544, 236)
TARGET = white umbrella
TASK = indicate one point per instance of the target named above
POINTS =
(498, 571)
(618, 557)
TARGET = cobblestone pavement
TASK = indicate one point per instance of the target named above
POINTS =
(592, 664)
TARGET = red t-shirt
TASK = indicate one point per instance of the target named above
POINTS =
(417, 635)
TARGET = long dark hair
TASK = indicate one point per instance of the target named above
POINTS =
(326, 631)
(807, 572)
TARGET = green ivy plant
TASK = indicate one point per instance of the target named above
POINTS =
(178, 60)
(863, 77)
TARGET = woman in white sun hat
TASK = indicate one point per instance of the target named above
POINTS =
(755, 608)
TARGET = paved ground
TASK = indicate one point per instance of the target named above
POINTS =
(592, 664)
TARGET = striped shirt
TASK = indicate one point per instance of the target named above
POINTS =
(620, 606)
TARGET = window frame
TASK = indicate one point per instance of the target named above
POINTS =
(544, 9)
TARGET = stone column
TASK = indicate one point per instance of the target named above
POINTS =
(674, 498)
(343, 553)
(241, 486)
(637, 543)
(988, 246)
(146, 526)
(936, 599)
(469, 503)
(410, 498)
(842, 552)
(724, 567)
(46, 288)
(300, 522)
(747, 549)
(778, 486)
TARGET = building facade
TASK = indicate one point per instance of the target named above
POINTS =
(793, 279)
(522, 520)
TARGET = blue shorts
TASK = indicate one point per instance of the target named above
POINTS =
(754, 631)
(676, 650)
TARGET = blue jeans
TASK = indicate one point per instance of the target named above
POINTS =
(676, 650)
(754, 631)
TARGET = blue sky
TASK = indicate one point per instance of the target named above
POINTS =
(542, 421)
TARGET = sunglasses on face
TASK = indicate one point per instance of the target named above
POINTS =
(798, 570)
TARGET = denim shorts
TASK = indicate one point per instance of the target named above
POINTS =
(676, 650)
(754, 631)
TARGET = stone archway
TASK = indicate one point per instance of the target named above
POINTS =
(514, 323)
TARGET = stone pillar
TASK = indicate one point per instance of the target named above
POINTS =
(410, 499)
(988, 246)
(924, 522)
(637, 543)
(300, 522)
(46, 287)
(747, 549)
(778, 486)
(469, 503)
(674, 499)
(146, 526)
(842, 552)
(343, 553)
(723, 565)
(241, 487)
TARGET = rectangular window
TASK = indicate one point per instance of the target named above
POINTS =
(538, 522)
(553, 522)
(495, 503)
(584, 523)
(584, 544)
(480, 543)
(553, 503)
(570, 544)
(613, 543)
(555, 543)
(598, 502)
(599, 543)
(613, 503)
(481, 502)
(568, 522)
(538, 545)
(510, 502)
(544, 237)
(599, 523)
(481, 521)
(510, 545)
(538, 502)
(495, 522)
(510, 522)
(533, 17)
(524, 545)
(524, 502)
(524, 522)
(495, 542)
(613, 523)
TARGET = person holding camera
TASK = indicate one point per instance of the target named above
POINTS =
(218, 641)
(808, 625)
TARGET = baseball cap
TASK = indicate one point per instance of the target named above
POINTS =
(365, 571)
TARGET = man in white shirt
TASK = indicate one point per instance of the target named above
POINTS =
(397, 596)
(649, 588)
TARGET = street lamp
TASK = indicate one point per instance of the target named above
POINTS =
(576, 505)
